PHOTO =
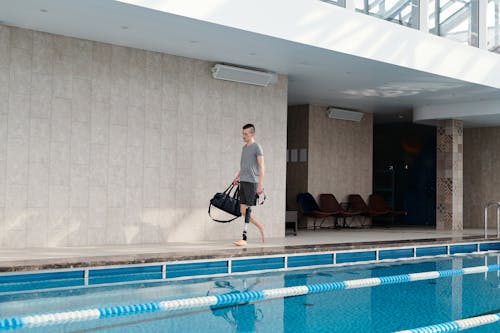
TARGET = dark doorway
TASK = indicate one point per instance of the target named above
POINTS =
(404, 171)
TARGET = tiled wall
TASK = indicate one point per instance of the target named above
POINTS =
(103, 144)
(481, 174)
(340, 155)
(449, 175)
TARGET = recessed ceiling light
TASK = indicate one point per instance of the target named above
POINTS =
(43, 10)
(124, 27)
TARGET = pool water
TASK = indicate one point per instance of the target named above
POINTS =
(386, 308)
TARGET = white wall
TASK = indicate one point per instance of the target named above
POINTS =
(102, 144)
(340, 155)
(458, 110)
(319, 24)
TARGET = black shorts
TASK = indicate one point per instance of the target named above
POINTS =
(248, 193)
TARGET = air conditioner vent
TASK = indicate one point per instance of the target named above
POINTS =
(343, 114)
(243, 75)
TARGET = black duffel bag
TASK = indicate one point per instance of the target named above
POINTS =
(226, 202)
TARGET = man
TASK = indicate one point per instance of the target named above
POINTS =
(250, 178)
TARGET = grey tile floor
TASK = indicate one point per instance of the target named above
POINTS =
(304, 238)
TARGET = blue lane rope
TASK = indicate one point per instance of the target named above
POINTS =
(233, 299)
(457, 325)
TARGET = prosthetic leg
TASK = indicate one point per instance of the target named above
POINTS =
(247, 220)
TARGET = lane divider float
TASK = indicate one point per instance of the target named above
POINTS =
(457, 325)
(231, 298)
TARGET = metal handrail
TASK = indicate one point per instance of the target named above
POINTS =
(491, 203)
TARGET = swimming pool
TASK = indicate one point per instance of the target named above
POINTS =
(385, 308)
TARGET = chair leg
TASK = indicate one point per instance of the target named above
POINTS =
(322, 221)
(336, 222)
(363, 220)
(316, 226)
(361, 223)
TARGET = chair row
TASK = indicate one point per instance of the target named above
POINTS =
(330, 207)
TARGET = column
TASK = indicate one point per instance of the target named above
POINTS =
(478, 23)
(449, 182)
(483, 25)
(349, 4)
(423, 16)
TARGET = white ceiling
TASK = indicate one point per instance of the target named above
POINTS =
(316, 75)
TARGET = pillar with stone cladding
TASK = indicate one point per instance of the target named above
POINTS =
(449, 182)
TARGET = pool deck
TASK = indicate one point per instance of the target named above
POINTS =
(306, 241)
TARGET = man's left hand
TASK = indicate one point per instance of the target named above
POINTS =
(260, 189)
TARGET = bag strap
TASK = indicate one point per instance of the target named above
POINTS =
(227, 192)
(236, 193)
(229, 189)
(220, 221)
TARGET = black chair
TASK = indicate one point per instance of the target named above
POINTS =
(309, 207)
(329, 203)
(379, 206)
(356, 203)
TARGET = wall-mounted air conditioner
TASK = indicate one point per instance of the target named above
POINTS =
(243, 75)
(343, 114)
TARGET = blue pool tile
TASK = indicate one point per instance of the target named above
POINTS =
(431, 251)
(395, 254)
(310, 260)
(490, 246)
(23, 282)
(196, 269)
(246, 265)
(344, 257)
(114, 275)
(40, 276)
(464, 248)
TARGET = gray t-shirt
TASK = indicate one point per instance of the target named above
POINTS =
(249, 168)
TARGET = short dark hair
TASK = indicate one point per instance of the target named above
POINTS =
(251, 126)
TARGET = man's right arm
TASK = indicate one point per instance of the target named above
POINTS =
(236, 179)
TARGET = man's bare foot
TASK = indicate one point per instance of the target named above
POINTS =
(240, 242)
(261, 229)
